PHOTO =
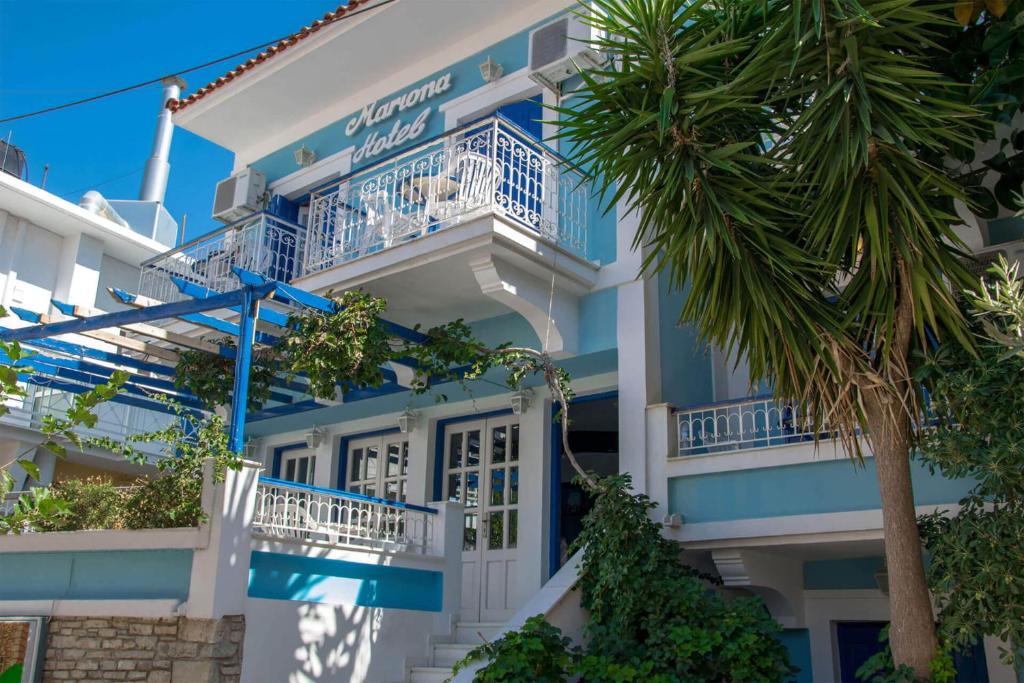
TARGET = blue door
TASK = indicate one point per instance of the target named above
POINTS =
(857, 641)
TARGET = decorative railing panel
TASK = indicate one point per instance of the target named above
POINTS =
(743, 425)
(113, 420)
(261, 243)
(309, 513)
(488, 167)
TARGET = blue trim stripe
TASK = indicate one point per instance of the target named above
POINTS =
(279, 576)
(346, 494)
(96, 575)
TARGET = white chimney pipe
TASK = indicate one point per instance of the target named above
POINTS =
(154, 178)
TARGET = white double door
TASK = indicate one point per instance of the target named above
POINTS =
(482, 472)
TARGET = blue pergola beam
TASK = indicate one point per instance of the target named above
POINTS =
(98, 354)
(289, 294)
(72, 388)
(138, 315)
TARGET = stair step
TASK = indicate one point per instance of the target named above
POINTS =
(446, 654)
(430, 674)
(469, 633)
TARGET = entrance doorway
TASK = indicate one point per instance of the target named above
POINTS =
(481, 461)
(594, 439)
(857, 641)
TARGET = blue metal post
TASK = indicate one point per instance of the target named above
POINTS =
(243, 361)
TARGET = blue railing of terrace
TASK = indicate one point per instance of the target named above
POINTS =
(488, 167)
(301, 512)
(759, 422)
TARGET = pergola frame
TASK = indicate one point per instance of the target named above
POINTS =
(144, 350)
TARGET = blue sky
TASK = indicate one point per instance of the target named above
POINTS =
(54, 51)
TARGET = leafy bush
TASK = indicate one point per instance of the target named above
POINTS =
(651, 618)
(536, 652)
(93, 503)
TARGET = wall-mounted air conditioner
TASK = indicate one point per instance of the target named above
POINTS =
(985, 258)
(556, 45)
(239, 195)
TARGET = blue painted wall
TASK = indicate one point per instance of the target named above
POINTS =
(599, 321)
(798, 642)
(686, 378)
(96, 575)
(856, 573)
(807, 488)
(278, 576)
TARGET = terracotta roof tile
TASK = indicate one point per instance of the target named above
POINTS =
(267, 53)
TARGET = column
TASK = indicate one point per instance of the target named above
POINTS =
(78, 278)
(534, 496)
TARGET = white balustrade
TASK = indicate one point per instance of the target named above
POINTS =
(261, 243)
(743, 425)
(308, 513)
(490, 167)
(113, 420)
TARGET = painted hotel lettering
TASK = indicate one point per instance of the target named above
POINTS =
(378, 112)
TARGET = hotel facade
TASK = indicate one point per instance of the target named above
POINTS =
(404, 148)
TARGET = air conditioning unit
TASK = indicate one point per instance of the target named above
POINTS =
(983, 259)
(556, 45)
(239, 195)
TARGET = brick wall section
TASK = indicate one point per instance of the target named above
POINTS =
(172, 650)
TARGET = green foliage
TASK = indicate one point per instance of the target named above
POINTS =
(92, 503)
(880, 667)
(774, 151)
(349, 345)
(536, 652)
(651, 618)
(211, 377)
(977, 568)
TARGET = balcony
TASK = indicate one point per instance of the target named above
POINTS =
(742, 425)
(490, 167)
(476, 223)
(261, 243)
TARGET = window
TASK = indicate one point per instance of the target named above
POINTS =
(299, 466)
(379, 466)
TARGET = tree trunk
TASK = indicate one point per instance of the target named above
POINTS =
(912, 629)
(887, 409)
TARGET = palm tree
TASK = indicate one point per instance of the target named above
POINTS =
(785, 160)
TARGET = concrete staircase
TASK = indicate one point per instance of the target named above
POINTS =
(444, 655)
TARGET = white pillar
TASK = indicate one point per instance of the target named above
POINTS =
(220, 570)
(78, 277)
(446, 542)
(660, 444)
(534, 501)
(420, 486)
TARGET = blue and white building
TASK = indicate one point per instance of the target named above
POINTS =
(400, 147)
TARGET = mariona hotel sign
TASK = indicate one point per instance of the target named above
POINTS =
(378, 112)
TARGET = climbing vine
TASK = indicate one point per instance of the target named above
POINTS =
(351, 349)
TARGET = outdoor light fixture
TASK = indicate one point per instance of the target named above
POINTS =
(407, 421)
(315, 437)
(882, 579)
(521, 401)
(304, 156)
(490, 70)
(252, 447)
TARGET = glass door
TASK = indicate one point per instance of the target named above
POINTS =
(482, 472)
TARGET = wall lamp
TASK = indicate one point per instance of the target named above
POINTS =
(407, 421)
(520, 401)
(315, 438)
(490, 70)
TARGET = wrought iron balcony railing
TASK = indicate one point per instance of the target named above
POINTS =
(488, 167)
(491, 166)
(308, 513)
(742, 425)
(261, 242)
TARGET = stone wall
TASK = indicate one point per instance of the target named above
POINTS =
(171, 650)
(13, 642)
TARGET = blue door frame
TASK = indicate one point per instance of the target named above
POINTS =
(555, 509)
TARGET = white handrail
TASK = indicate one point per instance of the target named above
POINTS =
(743, 425)
(309, 513)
